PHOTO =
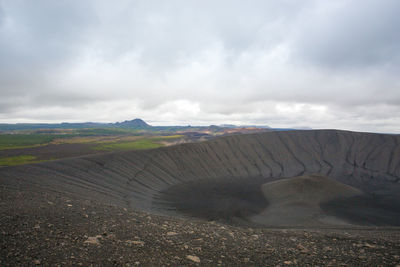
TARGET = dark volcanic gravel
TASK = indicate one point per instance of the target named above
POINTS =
(52, 229)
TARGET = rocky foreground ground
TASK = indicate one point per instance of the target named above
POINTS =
(53, 229)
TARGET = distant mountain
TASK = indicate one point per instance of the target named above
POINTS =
(136, 123)
(133, 124)
(228, 126)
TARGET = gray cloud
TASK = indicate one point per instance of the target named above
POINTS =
(283, 63)
(41, 33)
(352, 34)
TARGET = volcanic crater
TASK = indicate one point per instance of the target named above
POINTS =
(287, 178)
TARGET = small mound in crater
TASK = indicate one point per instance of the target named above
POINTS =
(298, 200)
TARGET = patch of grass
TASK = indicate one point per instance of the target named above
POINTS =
(18, 160)
(134, 145)
(167, 137)
(126, 143)
(113, 139)
(95, 139)
(106, 131)
(14, 141)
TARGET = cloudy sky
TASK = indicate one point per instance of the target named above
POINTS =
(321, 64)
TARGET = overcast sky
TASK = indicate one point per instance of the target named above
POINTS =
(321, 64)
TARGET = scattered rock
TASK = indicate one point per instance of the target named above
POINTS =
(94, 240)
(193, 258)
(303, 249)
(367, 245)
(171, 233)
(135, 242)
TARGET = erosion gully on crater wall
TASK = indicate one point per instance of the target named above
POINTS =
(221, 179)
